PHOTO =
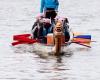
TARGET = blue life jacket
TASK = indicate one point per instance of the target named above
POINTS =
(49, 4)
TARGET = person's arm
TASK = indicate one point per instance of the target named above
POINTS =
(42, 6)
(57, 4)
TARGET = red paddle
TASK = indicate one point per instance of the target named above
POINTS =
(23, 39)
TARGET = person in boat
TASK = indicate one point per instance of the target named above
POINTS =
(48, 10)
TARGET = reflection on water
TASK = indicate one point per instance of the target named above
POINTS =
(49, 66)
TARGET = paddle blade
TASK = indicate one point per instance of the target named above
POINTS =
(23, 39)
(85, 44)
(84, 40)
(81, 40)
(83, 36)
(16, 37)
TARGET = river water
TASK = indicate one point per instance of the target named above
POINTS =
(22, 62)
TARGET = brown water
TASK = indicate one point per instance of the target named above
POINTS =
(24, 63)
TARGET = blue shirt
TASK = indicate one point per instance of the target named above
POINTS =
(49, 4)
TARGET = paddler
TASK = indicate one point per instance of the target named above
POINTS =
(49, 8)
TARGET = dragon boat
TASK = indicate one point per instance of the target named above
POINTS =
(57, 36)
